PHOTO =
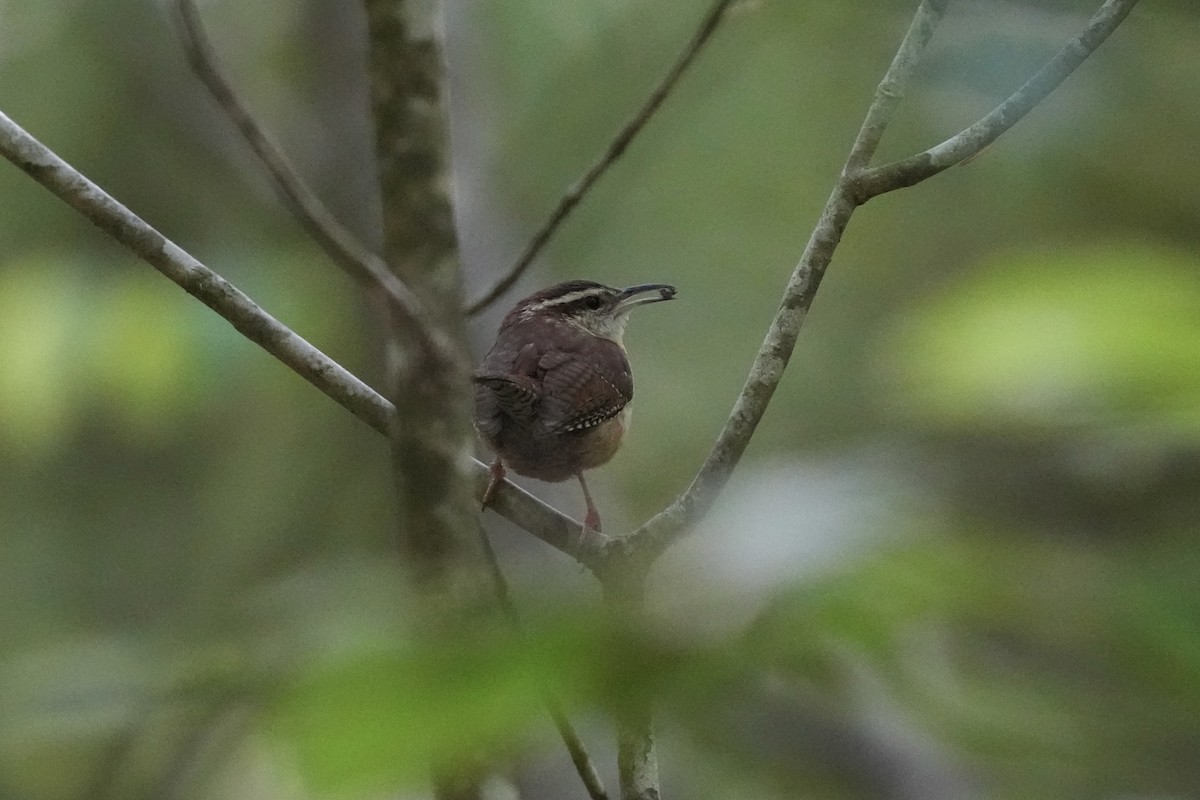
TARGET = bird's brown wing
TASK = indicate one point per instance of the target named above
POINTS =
(506, 388)
(515, 395)
(580, 392)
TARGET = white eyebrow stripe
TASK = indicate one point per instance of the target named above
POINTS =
(569, 297)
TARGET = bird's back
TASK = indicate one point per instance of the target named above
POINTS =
(551, 398)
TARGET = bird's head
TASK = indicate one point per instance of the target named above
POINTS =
(598, 309)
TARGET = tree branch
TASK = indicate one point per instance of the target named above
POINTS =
(855, 186)
(432, 437)
(637, 754)
(341, 245)
(561, 532)
(41, 164)
(614, 150)
(972, 140)
(891, 88)
(772, 358)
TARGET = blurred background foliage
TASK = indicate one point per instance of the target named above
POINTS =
(960, 559)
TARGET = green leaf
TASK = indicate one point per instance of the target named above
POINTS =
(1088, 338)
(39, 332)
(374, 719)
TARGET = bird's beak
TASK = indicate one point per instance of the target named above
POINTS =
(643, 294)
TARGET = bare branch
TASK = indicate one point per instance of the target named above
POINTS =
(891, 89)
(579, 754)
(341, 245)
(614, 150)
(856, 184)
(561, 532)
(624, 587)
(772, 358)
(41, 164)
(971, 141)
(637, 755)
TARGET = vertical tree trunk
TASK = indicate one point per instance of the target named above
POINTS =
(432, 435)
(432, 440)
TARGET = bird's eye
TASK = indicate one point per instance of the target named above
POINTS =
(592, 302)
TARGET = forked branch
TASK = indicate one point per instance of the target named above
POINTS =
(856, 184)
(776, 349)
(971, 141)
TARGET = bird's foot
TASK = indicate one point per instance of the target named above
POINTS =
(591, 522)
(498, 473)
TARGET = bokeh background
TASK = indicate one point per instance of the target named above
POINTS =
(960, 558)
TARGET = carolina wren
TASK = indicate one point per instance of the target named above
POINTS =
(552, 396)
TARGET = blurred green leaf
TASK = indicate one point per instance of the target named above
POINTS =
(40, 337)
(142, 354)
(380, 718)
(1049, 662)
(1060, 339)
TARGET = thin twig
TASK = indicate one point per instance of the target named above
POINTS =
(708, 26)
(73, 188)
(338, 242)
(570, 737)
(971, 141)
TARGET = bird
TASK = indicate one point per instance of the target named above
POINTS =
(552, 395)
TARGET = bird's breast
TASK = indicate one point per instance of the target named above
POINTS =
(602, 442)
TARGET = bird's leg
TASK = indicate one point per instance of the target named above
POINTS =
(497, 471)
(592, 520)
